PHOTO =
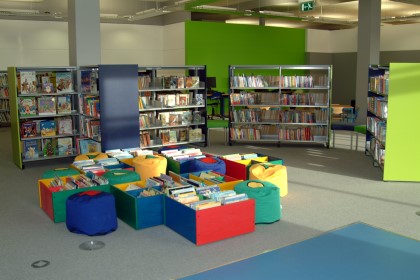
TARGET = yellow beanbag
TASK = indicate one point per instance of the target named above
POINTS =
(150, 166)
(273, 173)
(94, 156)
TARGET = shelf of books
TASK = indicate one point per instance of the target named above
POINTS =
(392, 104)
(280, 103)
(172, 105)
(43, 112)
(89, 110)
(4, 100)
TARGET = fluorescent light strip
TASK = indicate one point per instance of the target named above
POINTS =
(182, 2)
(216, 8)
(19, 11)
(146, 11)
(275, 13)
(33, 1)
(109, 15)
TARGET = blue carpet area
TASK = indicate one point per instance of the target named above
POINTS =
(358, 251)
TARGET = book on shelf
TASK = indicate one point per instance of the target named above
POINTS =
(47, 128)
(28, 129)
(172, 136)
(65, 126)
(195, 134)
(175, 118)
(47, 88)
(64, 104)
(183, 99)
(27, 106)
(85, 77)
(49, 147)
(183, 135)
(145, 139)
(171, 100)
(181, 82)
(164, 118)
(86, 145)
(64, 82)
(197, 117)
(188, 82)
(28, 83)
(47, 105)
(65, 146)
(30, 149)
(164, 136)
(199, 99)
(186, 117)
(195, 81)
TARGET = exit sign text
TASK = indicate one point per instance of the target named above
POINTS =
(306, 6)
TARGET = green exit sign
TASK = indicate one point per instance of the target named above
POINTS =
(306, 6)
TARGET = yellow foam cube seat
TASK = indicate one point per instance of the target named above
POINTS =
(273, 173)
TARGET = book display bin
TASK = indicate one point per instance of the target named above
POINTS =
(228, 184)
(212, 224)
(240, 168)
(53, 202)
(138, 212)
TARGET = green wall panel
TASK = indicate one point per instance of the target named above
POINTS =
(218, 45)
(402, 156)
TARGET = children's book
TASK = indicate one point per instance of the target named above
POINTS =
(30, 149)
(27, 106)
(65, 146)
(65, 126)
(195, 80)
(63, 104)
(164, 136)
(64, 82)
(28, 129)
(47, 87)
(46, 105)
(181, 82)
(183, 135)
(88, 146)
(47, 128)
(28, 82)
(49, 147)
(183, 99)
(85, 80)
(188, 82)
(172, 136)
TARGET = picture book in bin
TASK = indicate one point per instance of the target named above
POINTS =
(28, 82)
(65, 146)
(64, 104)
(27, 106)
(46, 105)
(30, 149)
(48, 128)
(64, 82)
(49, 147)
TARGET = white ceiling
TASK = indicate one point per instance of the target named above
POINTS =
(327, 14)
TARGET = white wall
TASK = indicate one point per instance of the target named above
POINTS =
(33, 43)
(43, 43)
(393, 38)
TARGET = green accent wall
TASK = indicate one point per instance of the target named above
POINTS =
(402, 153)
(218, 45)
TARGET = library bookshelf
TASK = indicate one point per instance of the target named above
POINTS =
(280, 104)
(391, 137)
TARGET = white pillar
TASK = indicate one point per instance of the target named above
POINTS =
(84, 32)
(368, 50)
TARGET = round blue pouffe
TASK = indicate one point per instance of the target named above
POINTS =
(91, 213)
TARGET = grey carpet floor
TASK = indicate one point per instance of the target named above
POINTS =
(328, 189)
